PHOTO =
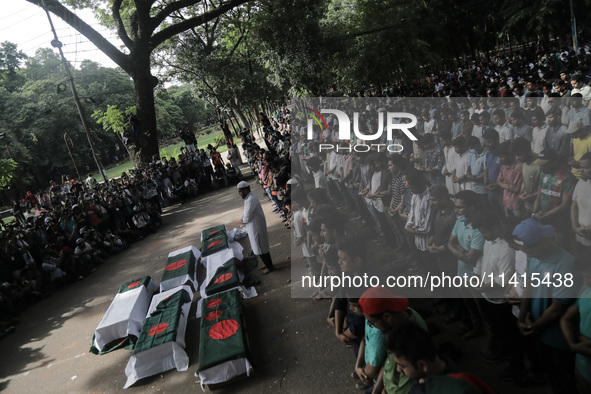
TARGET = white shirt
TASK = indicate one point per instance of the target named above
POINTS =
(420, 217)
(299, 230)
(582, 195)
(538, 136)
(461, 167)
(498, 259)
(376, 179)
(505, 132)
(256, 224)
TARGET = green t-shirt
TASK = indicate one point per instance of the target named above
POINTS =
(396, 382)
(554, 186)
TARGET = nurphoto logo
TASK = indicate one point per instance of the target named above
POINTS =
(402, 121)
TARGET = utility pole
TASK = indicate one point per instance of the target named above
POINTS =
(57, 44)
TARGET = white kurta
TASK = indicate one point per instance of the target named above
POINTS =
(256, 225)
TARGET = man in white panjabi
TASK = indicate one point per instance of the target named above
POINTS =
(256, 225)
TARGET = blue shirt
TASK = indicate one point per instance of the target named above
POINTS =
(477, 163)
(468, 238)
(375, 346)
(561, 263)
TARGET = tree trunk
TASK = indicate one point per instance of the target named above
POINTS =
(236, 109)
(146, 144)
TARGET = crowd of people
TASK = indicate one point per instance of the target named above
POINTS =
(497, 182)
(63, 233)
(496, 185)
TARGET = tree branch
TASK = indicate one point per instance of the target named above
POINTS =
(171, 8)
(172, 30)
(121, 32)
(120, 58)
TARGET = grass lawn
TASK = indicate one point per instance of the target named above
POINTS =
(203, 139)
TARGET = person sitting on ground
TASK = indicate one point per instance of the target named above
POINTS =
(372, 352)
(349, 327)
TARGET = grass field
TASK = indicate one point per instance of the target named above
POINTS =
(168, 151)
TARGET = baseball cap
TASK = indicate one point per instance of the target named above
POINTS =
(379, 300)
(79, 241)
(530, 232)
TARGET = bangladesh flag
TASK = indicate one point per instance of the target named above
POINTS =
(214, 244)
(134, 284)
(179, 270)
(225, 278)
(222, 336)
(213, 232)
(221, 306)
(162, 325)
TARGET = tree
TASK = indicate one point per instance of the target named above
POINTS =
(223, 63)
(10, 63)
(142, 26)
(7, 167)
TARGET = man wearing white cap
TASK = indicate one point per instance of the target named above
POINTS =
(256, 225)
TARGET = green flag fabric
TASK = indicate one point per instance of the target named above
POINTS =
(134, 284)
(222, 335)
(179, 265)
(213, 232)
(225, 278)
(162, 324)
(214, 244)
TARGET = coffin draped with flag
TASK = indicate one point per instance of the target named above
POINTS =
(223, 350)
(121, 324)
(181, 269)
(161, 343)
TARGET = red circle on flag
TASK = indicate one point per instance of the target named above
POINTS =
(224, 329)
(214, 243)
(158, 329)
(213, 315)
(134, 284)
(213, 303)
(176, 265)
(223, 278)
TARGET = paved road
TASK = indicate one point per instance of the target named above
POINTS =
(294, 350)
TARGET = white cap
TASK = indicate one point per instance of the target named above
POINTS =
(292, 181)
(242, 185)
